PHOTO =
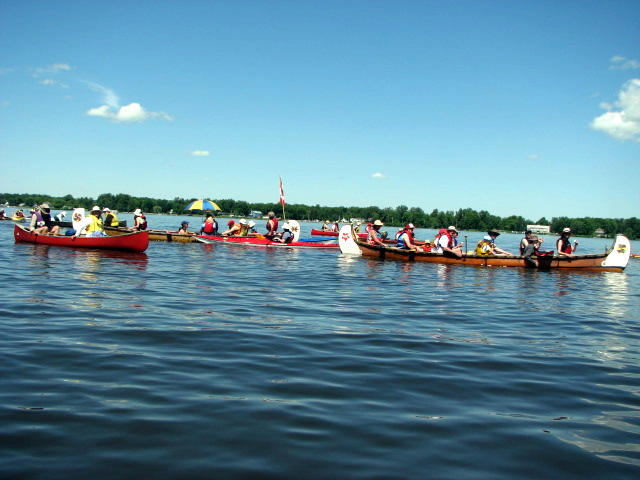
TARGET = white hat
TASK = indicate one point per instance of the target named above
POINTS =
(106, 209)
(95, 208)
(566, 230)
(286, 226)
(137, 211)
(487, 237)
(452, 229)
(378, 222)
(243, 221)
(252, 223)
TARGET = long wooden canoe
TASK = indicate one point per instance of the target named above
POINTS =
(156, 235)
(616, 260)
(133, 242)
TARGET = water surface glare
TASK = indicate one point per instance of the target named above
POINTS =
(224, 361)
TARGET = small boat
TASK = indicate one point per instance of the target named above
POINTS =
(262, 241)
(156, 235)
(616, 260)
(134, 242)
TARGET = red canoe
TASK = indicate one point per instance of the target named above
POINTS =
(325, 233)
(262, 241)
(133, 242)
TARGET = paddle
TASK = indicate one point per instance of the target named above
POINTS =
(78, 219)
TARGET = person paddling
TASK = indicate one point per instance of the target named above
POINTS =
(92, 224)
(373, 233)
(563, 244)
(406, 239)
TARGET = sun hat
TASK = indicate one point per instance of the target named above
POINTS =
(106, 209)
(252, 223)
(378, 222)
(452, 229)
(243, 221)
(566, 230)
(409, 225)
(487, 237)
(45, 205)
(95, 208)
(137, 211)
(494, 232)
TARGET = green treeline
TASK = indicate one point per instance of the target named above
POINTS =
(464, 219)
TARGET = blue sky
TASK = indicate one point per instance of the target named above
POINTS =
(519, 107)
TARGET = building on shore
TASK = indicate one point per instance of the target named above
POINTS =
(539, 229)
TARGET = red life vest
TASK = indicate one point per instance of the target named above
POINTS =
(208, 226)
(565, 245)
(272, 224)
(442, 233)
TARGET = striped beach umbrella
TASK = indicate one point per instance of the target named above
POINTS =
(202, 205)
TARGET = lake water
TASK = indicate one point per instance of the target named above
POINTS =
(223, 361)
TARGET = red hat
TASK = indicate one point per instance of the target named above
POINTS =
(409, 225)
(230, 222)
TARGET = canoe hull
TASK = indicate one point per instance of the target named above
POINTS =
(155, 235)
(324, 233)
(132, 242)
(262, 241)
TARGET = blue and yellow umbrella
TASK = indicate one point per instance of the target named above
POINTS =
(202, 205)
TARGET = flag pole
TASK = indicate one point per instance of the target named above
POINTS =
(282, 202)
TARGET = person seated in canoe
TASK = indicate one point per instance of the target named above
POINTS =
(251, 228)
(184, 228)
(41, 221)
(335, 227)
(272, 225)
(139, 220)
(326, 226)
(373, 233)
(210, 226)
(447, 242)
(286, 236)
(563, 244)
(18, 213)
(2, 214)
(487, 246)
(531, 248)
(92, 226)
(236, 228)
(406, 239)
(110, 219)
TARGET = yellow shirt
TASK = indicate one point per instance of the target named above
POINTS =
(94, 225)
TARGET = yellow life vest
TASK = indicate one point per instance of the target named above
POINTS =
(114, 221)
(95, 224)
(483, 247)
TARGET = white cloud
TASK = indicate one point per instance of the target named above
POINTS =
(53, 69)
(623, 124)
(201, 153)
(377, 175)
(618, 62)
(134, 112)
(51, 81)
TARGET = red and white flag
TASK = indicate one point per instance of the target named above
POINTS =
(281, 193)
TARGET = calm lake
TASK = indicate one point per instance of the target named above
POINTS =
(227, 361)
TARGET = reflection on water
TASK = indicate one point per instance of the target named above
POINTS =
(529, 374)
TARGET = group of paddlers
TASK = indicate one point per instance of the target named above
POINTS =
(91, 226)
(446, 242)
(244, 228)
